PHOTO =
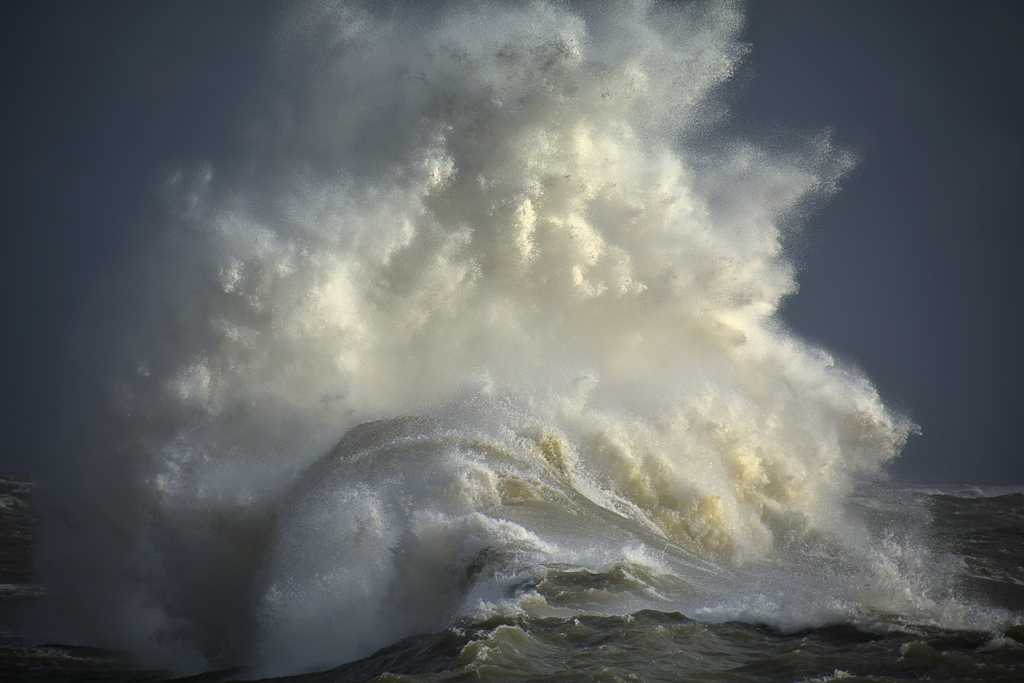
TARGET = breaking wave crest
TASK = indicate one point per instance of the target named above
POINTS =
(510, 254)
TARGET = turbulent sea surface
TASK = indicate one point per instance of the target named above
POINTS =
(979, 530)
(471, 368)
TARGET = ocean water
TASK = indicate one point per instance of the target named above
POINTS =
(471, 368)
(620, 622)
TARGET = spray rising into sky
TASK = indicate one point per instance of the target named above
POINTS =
(512, 254)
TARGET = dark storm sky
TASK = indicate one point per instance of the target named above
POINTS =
(911, 271)
(914, 273)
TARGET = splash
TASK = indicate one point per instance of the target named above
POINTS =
(511, 253)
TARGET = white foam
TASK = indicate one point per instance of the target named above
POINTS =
(504, 217)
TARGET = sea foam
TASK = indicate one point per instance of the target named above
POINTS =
(519, 246)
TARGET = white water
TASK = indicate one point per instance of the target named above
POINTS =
(520, 237)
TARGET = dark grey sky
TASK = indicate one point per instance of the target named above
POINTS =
(911, 271)
(914, 270)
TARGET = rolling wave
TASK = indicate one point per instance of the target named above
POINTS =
(512, 257)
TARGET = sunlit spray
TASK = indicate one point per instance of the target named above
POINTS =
(510, 256)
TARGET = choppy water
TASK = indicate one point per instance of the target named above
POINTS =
(471, 367)
(983, 527)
